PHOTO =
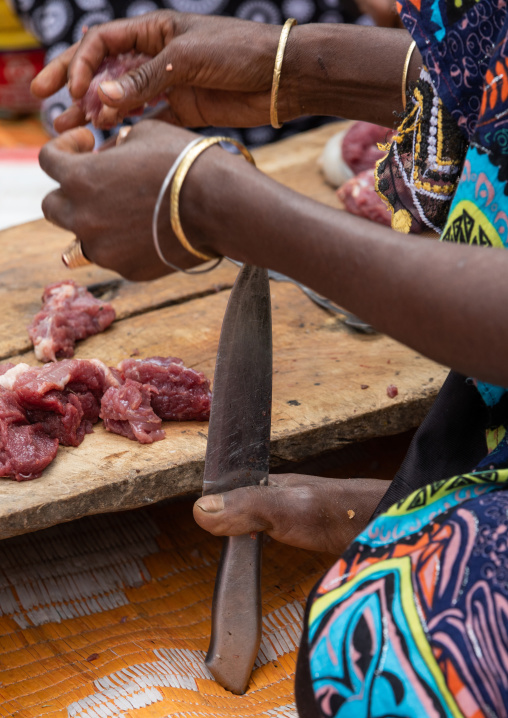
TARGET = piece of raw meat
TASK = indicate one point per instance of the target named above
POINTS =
(63, 397)
(359, 197)
(126, 410)
(25, 450)
(352, 151)
(8, 378)
(5, 367)
(360, 145)
(111, 68)
(111, 375)
(59, 402)
(69, 313)
(183, 394)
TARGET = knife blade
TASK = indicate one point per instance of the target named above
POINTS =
(346, 317)
(237, 454)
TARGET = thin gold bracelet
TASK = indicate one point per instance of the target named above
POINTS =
(180, 175)
(274, 118)
(404, 73)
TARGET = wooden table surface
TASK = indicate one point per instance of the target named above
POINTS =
(329, 384)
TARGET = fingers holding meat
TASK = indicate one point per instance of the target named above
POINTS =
(121, 66)
(77, 65)
(73, 116)
(107, 198)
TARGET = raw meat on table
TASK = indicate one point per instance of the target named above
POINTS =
(359, 197)
(25, 449)
(69, 313)
(112, 375)
(60, 402)
(5, 367)
(63, 397)
(353, 150)
(126, 410)
(360, 145)
(183, 394)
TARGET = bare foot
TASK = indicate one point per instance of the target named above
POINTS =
(305, 511)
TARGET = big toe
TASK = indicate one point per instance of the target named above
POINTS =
(236, 512)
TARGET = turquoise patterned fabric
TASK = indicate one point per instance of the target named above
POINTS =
(412, 621)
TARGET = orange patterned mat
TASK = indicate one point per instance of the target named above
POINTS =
(23, 133)
(110, 616)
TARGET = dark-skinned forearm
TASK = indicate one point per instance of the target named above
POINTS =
(346, 71)
(445, 301)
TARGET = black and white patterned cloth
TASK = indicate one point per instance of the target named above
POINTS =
(59, 23)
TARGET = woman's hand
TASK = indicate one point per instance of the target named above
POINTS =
(107, 198)
(218, 71)
(215, 71)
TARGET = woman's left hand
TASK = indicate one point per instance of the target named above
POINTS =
(107, 198)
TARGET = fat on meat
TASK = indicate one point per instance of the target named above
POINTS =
(5, 367)
(111, 375)
(69, 313)
(353, 150)
(126, 410)
(25, 449)
(360, 149)
(183, 394)
(111, 68)
(359, 197)
(63, 397)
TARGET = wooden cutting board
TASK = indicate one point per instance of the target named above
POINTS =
(330, 383)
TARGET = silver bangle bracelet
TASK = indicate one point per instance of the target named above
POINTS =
(156, 211)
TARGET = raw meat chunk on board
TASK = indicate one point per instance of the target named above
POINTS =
(69, 313)
(183, 394)
(64, 397)
(126, 410)
(25, 449)
(60, 402)
(348, 162)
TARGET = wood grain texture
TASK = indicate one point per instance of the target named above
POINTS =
(320, 367)
(318, 405)
(31, 253)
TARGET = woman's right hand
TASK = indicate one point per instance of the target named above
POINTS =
(214, 71)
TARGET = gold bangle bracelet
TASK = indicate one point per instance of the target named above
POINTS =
(274, 118)
(404, 73)
(180, 175)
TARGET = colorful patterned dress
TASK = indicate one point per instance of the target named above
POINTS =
(412, 621)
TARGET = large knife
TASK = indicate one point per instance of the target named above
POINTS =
(237, 454)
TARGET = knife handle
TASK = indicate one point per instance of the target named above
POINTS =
(236, 613)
